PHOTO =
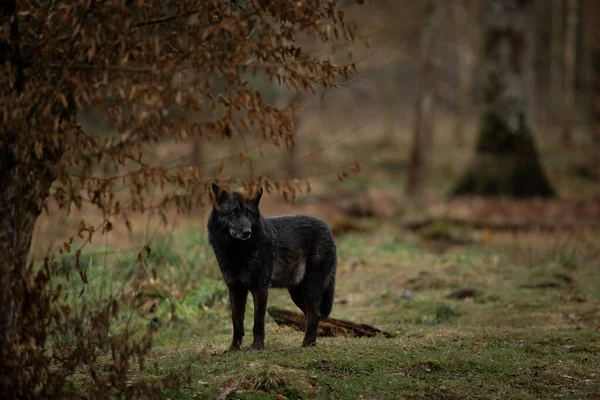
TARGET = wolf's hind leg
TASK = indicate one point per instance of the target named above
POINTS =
(312, 293)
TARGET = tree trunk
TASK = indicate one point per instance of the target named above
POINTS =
(506, 160)
(290, 163)
(25, 182)
(556, 60)
(595, 113)
(465, 25)
(23, 191)
(198, 155)
(389, 105)
(424, 108)
(290, 156)
(590, 21)
(570, 53)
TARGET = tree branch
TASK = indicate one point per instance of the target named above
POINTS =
(155, 21)
(118, 68)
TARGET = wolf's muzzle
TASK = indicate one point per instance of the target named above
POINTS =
(245, 235)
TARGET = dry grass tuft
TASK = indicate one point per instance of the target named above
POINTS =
(268, 378)
(565, 249)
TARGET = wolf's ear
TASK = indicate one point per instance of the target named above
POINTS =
(220, 194)
(215, 189)
(258, 195)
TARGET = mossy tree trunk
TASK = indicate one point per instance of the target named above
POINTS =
(506, 161)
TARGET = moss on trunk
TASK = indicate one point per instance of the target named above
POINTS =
(506, 161)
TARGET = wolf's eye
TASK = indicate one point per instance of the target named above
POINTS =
(235, 211)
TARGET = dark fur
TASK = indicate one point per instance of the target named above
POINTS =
(255, 253)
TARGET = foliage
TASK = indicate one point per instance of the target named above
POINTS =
(150, 66)
(208, 294)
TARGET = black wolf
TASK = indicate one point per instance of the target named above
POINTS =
(255, 253)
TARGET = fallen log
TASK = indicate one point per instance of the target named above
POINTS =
(506, 225)
(327, 326)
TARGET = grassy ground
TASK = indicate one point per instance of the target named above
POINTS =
(531, 331)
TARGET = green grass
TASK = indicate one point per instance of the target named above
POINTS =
(511, 342)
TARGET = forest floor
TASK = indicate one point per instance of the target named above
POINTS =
(529, 330)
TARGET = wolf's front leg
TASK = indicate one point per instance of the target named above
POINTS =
(237, 298)
(259, 296)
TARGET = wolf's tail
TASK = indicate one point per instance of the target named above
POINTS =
(327, 300)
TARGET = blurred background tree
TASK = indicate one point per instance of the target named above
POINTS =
(506, 160)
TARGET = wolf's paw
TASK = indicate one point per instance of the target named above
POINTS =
(257, 346)
(308, 344)
(234, 347)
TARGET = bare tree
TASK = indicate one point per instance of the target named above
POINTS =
(425, 105)
(465, 15)
(593, 10)
(506, 160)
(556, 59)
(290, 157)
(595, 113)
(570, 58)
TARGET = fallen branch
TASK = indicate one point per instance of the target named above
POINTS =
(327, 327)
(522, 225)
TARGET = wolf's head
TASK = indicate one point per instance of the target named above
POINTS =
(237, 214)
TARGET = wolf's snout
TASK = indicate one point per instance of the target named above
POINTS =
(244, 235)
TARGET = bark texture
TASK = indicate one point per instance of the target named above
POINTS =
(506, 161)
